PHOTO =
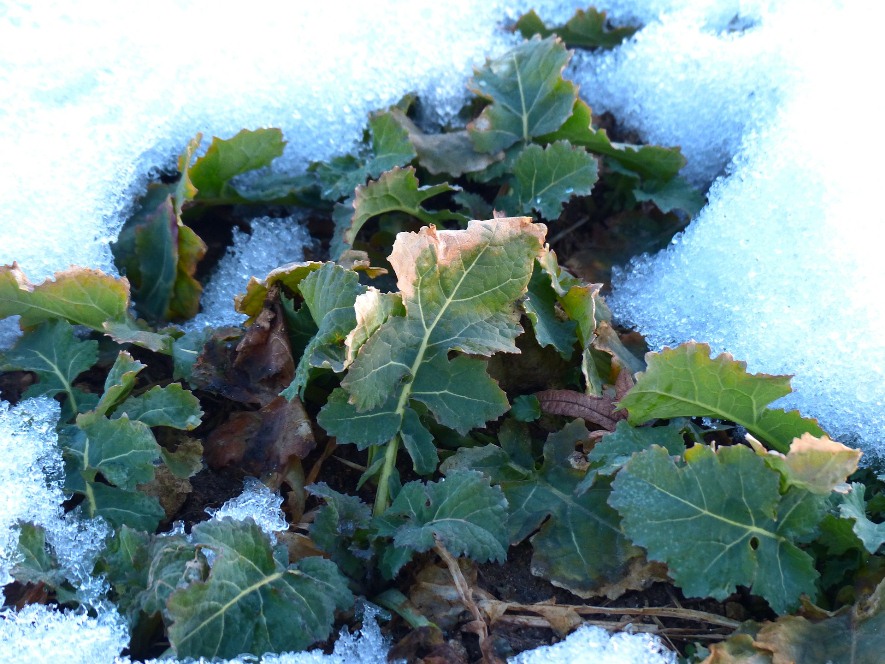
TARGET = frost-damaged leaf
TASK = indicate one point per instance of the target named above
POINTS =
(119, 382)
(449, 152)
(579, 546)
(686, 382)
(396, 190)
(187, 459)
(597, 410)
(855, 635)
(185, 351)
(854, 507)
(615, 449)
(53, 353)
(463, 511)
(544, 179)
(225, 159)
(372, 308)
(261, 442)
(78, 295)
(818, 465)
(586, 29)
(528, 95)
(458, 289)
(252, 601)
(289, 276)
(133, 332)
(720, 521)
(174, 563)
(329, 295)
(169, 406)
(34, 563)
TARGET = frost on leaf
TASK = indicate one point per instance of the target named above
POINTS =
(720, 521)
(528, 95)
(458, 290)
(544, 179)
(579, 545)
(686, 382)
(465, 513)
(53, 353)
(586, 29)
(253, 600)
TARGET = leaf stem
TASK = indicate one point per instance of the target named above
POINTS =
(382, 497)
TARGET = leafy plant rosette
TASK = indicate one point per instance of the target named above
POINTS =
(479, 389)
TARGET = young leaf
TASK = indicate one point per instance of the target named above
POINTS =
(544, 179)
(341, 529)
(528, 95)
(463, 511)
(119, 382)
(329, 295)
(169, 406)
(720, 521)
(396, 190)
(685, 381)
(57, 357)
(580, 546)
(586, 29)
(458, 289)
(212, 173)
(79, 295)
(289, 276)
(854, 507)
(252, 602)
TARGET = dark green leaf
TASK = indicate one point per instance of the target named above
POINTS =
(121, 450)
(551, 327)
(853, 507)
(251, 602)
(526, 408)
(185, 351)
(340, 528)
(418, 442)
(686, 381)
(677, 194)
(57, 357)
(34, 563)
(579, 545)
(121, 507)
(586, 29)
(719, 521)
(463, 511)
(528, 95)
(119, 382)
(174, 563)
(169, 406)
(124, 563)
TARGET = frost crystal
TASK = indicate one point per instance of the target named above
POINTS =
(256, 502)
(593, 644)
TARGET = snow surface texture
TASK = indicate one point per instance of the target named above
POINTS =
(594, 644)
(783, 267)
(272, 243)
(257, 502)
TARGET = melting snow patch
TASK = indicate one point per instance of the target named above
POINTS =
(594, 644)
(256, 502)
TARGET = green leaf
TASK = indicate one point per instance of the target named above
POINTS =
(586, 29)
(252, 602)
(550, 327)
(212, 173)
(418, 442)
(187, 459)
(685, 381)
(78, 295)
(458, 289)
(329, 295)
(677, 194)
(372, 309)
(463, 511)
(720, 521)
(169, 406)
(119, 382)
(120, 507)
(34, 563)
(615, 449)
(288, 276)
(396, 190)
(134, 332)
(854, 507)
(526, 408)
(528, 95)
(341, 529)
(544, 179)
(124, 563)
(57, 357)
(185, 351)
(579, 545)
(121, 450)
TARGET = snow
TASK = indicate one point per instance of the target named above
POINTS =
(771, 101)
(257, 502)
(594, 644)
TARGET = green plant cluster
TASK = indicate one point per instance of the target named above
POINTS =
(602, 461)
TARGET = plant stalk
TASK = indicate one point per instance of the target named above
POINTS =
(382, 497)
